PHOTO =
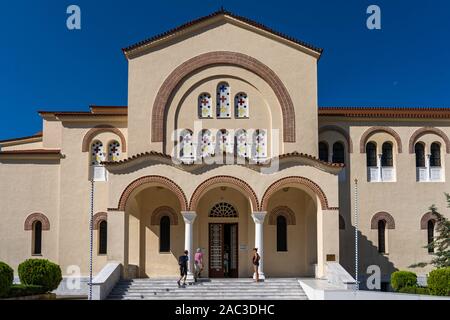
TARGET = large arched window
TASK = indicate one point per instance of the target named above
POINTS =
(164, 234)
(223, 100)
(386, 155)
(435, 158)
(98, 172)
(260, 144)
(241, 143)
(113, 151)
(430, 235)
(338, 153)
(420, 155)
(186, 145)
(206, 143)
(241, 105)
(381, 236)
(281, 233)
(323, 151)
(204, 106)
(371, 154)
(102, 237)
(37, 237)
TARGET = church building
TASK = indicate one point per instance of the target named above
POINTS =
(223, 147)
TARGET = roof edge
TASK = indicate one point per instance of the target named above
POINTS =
(172, 32)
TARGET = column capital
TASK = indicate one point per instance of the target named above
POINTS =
(189, 216)
(259, 216)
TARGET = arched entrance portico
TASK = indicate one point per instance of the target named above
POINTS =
(310, 224)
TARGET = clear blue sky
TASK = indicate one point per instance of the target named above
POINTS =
(44, 66)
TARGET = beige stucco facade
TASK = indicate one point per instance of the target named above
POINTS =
(49, 174)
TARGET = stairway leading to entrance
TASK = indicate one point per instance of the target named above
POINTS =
(208, 289)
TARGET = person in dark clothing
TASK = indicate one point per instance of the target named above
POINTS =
(255, 261)
(183, 262)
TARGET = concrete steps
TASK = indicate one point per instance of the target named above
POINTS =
(208, 289)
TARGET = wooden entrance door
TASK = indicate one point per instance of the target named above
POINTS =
(223, 250)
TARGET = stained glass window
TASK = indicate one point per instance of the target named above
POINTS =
(223, 100)
(186, 145)
(204, 106)
(241, 143)
(206, 143)
(241, 105)
(114, 151)
(97, 153)
(260, 144)
(224, 142)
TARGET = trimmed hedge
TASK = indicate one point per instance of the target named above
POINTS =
(40, 272)
(439, 282)
(415, 290)
(403, 279)
(6, 278)
(22, 290)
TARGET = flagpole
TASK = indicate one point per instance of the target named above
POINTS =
(91, 238)
(356, 235)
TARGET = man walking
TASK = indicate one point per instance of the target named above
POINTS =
(183, 262)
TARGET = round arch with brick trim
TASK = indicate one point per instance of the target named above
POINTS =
(157, 180)
(224, 58)
(425, 218)
(390, 223)
(239, 184)
(36, 216)
(426, 130)
(99, 217)
(87, 139)
(160, 212)
(342, 132)
(309, 184)
(366, 135)
(282, 211)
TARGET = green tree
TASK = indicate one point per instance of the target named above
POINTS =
(441, 241)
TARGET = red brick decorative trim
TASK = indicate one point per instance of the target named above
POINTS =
(99, 217)
(277, 185)
(422, 131)
(37, 216)
(158, 180)
(390, 223)
(223, 180)
(341, 131)
(228, 58)
(282, 211)
(425, 218)
(160, 212)
(100, 129)
(366, 135)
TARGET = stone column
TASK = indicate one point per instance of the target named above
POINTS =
(428, 166)
(189, 218)
(380, 174)
(118, 239)
(258, 218)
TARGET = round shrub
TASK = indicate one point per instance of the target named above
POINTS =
(402, 279)
(439, 282)
(6, 278)
(414, 290)
(40, 272)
